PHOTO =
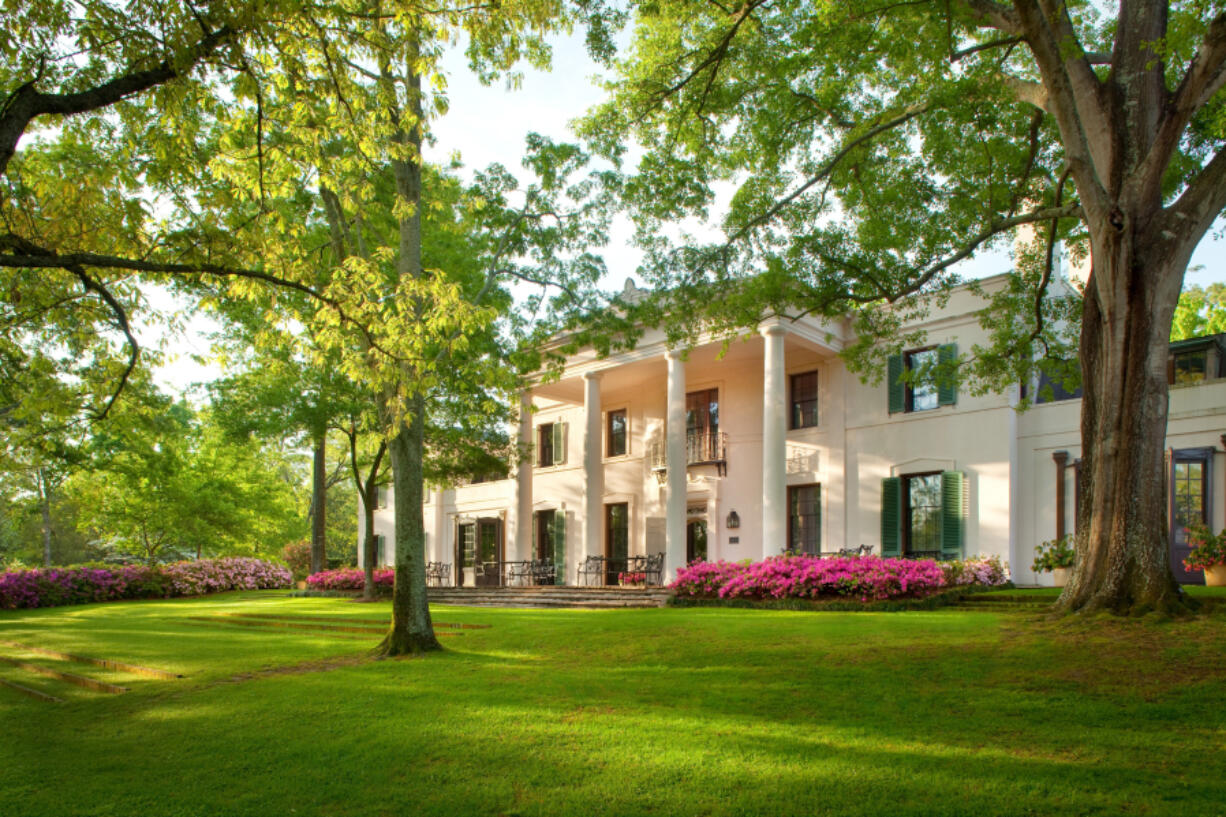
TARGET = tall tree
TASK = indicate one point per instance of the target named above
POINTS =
(873, 145)
(350, 92)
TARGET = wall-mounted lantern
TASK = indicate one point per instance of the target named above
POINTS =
(733, 521)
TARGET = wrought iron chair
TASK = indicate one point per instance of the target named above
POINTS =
(519, 574)
(592, 568)
(653, 569)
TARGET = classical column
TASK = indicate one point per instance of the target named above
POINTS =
(674, 537)
(774, 444)
(523, 481)
(593, 467)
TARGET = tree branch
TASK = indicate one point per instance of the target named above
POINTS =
(27, 102)
(121, 320)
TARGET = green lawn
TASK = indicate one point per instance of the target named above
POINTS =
(669, 712)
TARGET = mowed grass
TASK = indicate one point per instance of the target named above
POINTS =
(668, 712)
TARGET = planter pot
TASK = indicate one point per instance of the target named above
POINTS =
(1059, 576)
(1215, 576)
(302, 585)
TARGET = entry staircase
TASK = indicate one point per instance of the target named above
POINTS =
(600, 598)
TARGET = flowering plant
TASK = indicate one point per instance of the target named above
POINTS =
(1054, 554)
(56, 586)
(350, 578)
(633, 578)
(1207, 550)
(298, 556)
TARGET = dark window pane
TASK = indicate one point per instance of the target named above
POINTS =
(617, 433)
(805, 519)
(544, 444)
(924, 513)
(1190, 367)
(922, 394)
(804, 400)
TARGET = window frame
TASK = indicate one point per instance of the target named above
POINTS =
(909, 386)
(624, 413)
(795, 419)
(906, 534)
(793, 490)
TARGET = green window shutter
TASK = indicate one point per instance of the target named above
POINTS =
(559, 443)
(891, 516)
(953, 514)
(559, 546)
(947, 391)
(897, 390)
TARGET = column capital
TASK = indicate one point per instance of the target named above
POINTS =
(673, 354)
(593, 375)
(772, 329)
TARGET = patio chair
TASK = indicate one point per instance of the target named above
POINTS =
(653, 569)
(591, 571)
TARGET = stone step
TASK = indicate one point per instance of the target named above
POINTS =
(562, 597)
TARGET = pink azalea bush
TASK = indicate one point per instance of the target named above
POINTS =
(869, 578)
(350, 578)
(57, 586)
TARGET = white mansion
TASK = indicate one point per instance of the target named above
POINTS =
(775, 446)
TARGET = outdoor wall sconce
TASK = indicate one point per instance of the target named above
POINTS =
(733, 521)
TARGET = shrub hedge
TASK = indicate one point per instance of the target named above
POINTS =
(83, 584)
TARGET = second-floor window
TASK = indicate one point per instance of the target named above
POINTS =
(804, 400)
(921, 391)
(550, 444)
(616, 444)
(702, 412)
(1190, 367)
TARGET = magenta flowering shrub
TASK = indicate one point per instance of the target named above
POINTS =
(350, 578)
(215, 575)
(870, 578)
(57, 586)
(988, 571)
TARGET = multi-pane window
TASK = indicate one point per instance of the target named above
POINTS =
(702, 412)
(922, 517)
(467, 550)
(544, 535)
(912, 382)
(617, 539)
(1191, 367)
(804, 400)
(805, 519)
(1189, 493)
(617, 428)
(921, 392)
(544, 445)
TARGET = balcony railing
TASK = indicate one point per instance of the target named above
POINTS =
(701, 448)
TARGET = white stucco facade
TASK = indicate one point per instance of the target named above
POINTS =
(759, 468)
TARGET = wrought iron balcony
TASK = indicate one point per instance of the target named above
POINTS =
(701, 448)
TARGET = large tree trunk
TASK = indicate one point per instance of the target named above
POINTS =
(1122, 523)
(412, 631)
(44, 505)
(319, 501)
(369, 498)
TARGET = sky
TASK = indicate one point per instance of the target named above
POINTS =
(487, 124)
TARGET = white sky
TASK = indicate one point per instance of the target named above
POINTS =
(489, 124)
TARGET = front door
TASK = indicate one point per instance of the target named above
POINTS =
(1191, 470)
(544, 536)
(616, 540)
(695, 541)
(489, 552)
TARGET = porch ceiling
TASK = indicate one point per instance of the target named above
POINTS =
(628, 370)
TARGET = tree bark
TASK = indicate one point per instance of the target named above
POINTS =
(44, 504)
(369, 498)
(319, 501)
(1122, 524)
(412, 630)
